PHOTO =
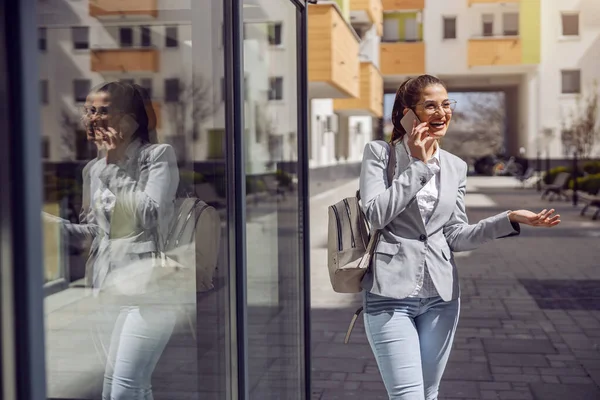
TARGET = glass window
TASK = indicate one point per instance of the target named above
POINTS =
(146, 36)
(510, 24)
(45, 148)
(172, 90)
(81, 88)
(42, 38)
(275, 34)
(571, 81)
(488, 24)
(449, 27)
(146, 83)
(44, 91)
(80, 36)
(276, 88)
(570, 24)
(272, 205)
(171, 36)
(126, 36)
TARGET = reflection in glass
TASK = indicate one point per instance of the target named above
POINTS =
(275, 351)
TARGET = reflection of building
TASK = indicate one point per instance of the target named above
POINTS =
(541, 54)
(345, 83)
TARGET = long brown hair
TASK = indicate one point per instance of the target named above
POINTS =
(407, 96)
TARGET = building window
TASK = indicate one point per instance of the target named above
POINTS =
(126, 37)
(44, 91)
(275, 34)
(42, 41)
(488, 24)
(171, 90)
(449, 27)
(81, 37)
(45, 147)
(510, 24)
(81, 88)
(146, 37)
(146, 83)
(571, 81)
(570, 24)
(276, 88)
(171, 37)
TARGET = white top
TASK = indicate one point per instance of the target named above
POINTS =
(427, 198)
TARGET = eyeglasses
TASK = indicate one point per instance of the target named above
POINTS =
(431, 107)
(89, 111)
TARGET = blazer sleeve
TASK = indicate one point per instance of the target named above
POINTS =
(86, 229)
(462, 236)
(380, 203)
(160, 188)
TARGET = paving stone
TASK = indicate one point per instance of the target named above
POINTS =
(474, 371)
(548, 391)
(516, 378)
(353, 395)
(518, 360)
(495, 386)
(459, 389)
(337, 365)
(519, 346)
(578, 380)
(515, 395)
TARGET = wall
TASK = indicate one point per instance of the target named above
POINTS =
(322, 144)
(559, 53)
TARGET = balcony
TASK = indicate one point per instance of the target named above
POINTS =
(396, 5)
(119, 8)
(370, 100)
(402, 58)
(367, 12)
(471, 2)
(124, 60)
(333, 62)
(494, 51)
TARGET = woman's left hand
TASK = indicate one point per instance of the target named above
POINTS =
(545, 218)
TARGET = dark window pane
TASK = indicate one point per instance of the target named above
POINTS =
(510, 22)
(171, 37)
(81, 88)
(488, 24)
(172, 90)
(275, 34)
(45, 147)
(42, 38)
(44, 91)
(146, 37)
(146, 83)
(570, 24)
(126, 37)
(276, 88)
(84, 149)
(571, 81)
(81, 37)
(450, 28)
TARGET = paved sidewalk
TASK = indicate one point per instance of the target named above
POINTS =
(530, 318)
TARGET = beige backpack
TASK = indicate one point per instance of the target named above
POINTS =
(350, 245)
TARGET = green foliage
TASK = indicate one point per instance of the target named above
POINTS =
(283, 178)
(551, 175)
(592, 167)
(589, 184)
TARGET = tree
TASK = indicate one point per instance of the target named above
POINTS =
(580, 131)
(194, 105)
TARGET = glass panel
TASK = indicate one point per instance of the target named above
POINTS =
(450, 28)
(570, 24)
(123, 167)
(275, 340)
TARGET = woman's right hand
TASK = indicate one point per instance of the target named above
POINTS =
(419, 142)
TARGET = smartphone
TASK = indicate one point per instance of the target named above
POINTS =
(408, 120)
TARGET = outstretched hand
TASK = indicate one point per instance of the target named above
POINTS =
(545, 218)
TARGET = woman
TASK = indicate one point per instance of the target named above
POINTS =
(411, 290)
(128, 203)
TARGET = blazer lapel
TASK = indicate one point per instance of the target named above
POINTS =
(403, 162)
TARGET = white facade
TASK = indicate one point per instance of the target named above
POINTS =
(542, 108)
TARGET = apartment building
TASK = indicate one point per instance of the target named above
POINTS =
(345, 83)
(542, 54)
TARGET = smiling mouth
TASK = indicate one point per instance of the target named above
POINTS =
(437, 125)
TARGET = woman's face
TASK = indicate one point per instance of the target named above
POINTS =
(435, 108)
(98, 112)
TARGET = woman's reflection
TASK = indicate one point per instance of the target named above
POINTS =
(128, 203)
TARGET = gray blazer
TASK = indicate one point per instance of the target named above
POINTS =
(142, 188)
(406, 244)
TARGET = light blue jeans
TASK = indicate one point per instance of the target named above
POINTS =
(138, 339)
(411, 340)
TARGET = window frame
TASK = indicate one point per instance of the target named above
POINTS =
(88, 83)
(145, 34)
(563, 75)
(122, 30)
(274, 26)
(168, 91)
(171, 41)
(484, 23)
(43, 39)
(504, 30)
(564, 14)
(273, 92)
(445, 19)
(80, 45)
(44, 92)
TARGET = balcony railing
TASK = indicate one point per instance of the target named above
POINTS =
(107, 8)
(370, 99)
(471, 2)
(395, 5)
(125, 60)
(493, 51)
(402, 58)
(368, 10)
